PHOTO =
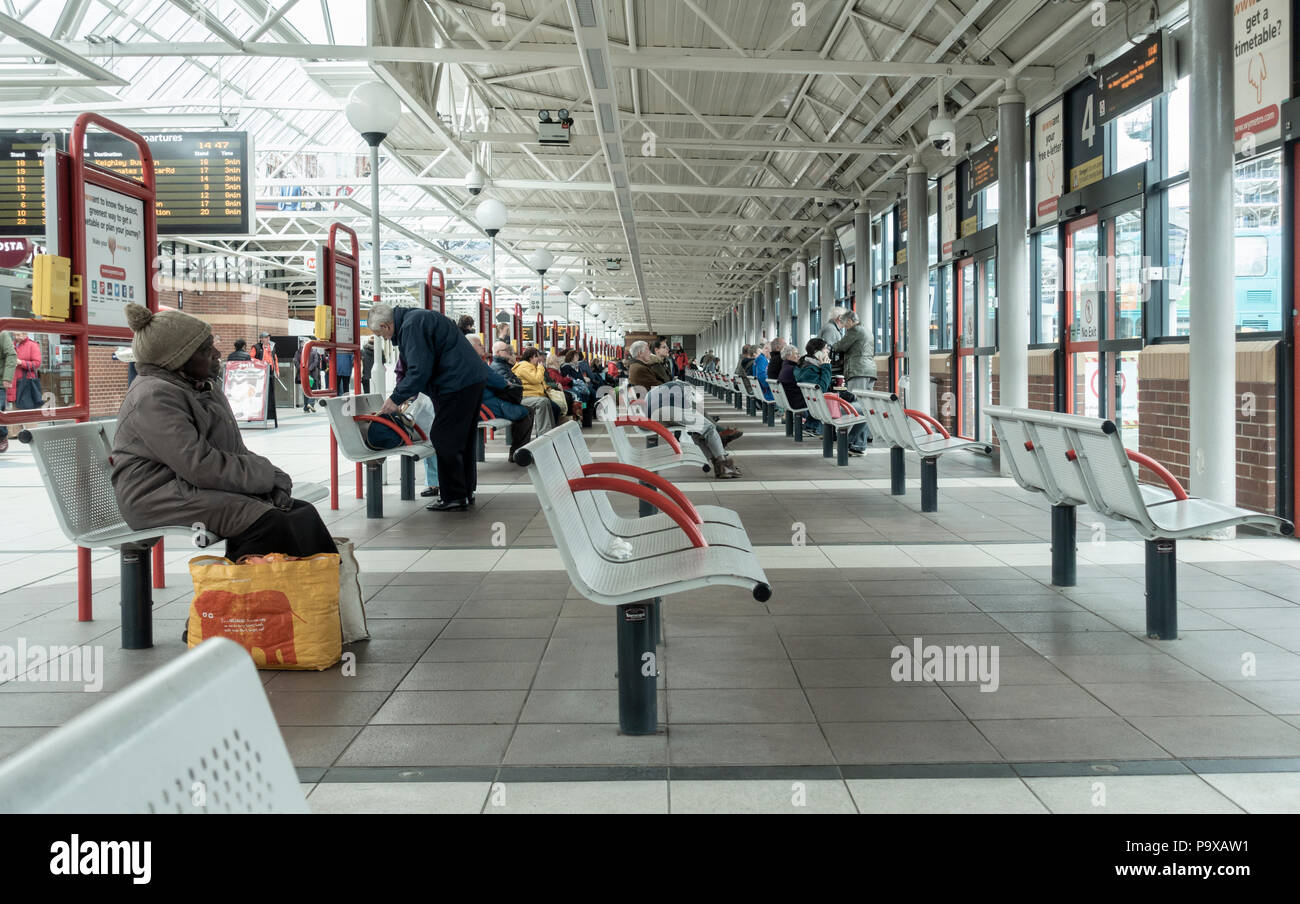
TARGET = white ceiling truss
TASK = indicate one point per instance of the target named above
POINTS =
(713, 139)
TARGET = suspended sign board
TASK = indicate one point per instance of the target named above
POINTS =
(203, 179)
(116, 257)
(1261, 49)
(1049, 160)
(948, 213)
(967, 201)
(1131, 80)
(1085, 141)
(984, 167)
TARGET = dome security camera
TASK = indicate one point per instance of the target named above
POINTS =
(942, 133)
(475, 179)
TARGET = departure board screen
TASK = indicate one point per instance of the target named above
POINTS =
(203, 179)
(22, 184)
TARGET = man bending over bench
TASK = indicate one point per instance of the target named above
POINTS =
(178, 457)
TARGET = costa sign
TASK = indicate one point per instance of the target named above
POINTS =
(14, 252)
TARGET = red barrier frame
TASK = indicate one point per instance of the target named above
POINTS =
(430, 293)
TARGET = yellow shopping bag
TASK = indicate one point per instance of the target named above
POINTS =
(284, 611)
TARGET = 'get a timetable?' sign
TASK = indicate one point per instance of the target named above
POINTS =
(1261, 51)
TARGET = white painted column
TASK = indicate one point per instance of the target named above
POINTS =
(862, 264)
(800, 278)
(1212, 353)
(918, 291)
(1013, 254)
(826, 275)
(783, 304)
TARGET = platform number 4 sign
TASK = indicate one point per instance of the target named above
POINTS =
(1089, 130)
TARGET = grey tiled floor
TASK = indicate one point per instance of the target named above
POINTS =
(478, 663)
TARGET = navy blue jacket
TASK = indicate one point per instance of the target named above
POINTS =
(439, 359)
(496, 379)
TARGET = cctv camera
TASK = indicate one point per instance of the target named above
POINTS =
(942, 133)
(475, 179)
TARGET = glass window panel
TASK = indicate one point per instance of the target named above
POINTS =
(990, 206)
(947, 296)
(1049, 284)
(1178, 142)
(1132, 138)
(1257, 213)
(1178, 274)
(1127, 299)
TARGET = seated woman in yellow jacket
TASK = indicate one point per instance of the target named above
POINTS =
(531, 371)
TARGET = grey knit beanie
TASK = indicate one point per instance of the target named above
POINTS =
(167, 338)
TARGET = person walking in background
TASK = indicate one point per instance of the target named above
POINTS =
(760, 372)
(24, 392)
(240, 353)
(343, 370)
(264, 351)
(367, 362)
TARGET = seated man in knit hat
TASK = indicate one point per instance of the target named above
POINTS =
(178, 457)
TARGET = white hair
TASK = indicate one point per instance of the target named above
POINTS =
(836, 313)
(790, 353)
(637, 347)
(379, 315)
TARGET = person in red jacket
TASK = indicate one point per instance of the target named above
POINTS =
(28, 352)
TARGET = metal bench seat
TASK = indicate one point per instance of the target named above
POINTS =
(1073, 459)
(670, 453)
(720, 526)
(836, 424)
(915, 431)
(195, 736)
(583, 541)
(343, 412)
(351, 433)
(629, 572)
(793, 423)
(75, 462)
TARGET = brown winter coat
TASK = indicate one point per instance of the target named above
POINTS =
(648, 374)
(178, 458)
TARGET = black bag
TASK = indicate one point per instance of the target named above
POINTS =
(846, 395)
(381, 436)
(27, 393)
(513, 393)
(837, 364)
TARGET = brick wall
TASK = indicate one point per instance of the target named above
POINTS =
(234, 311)
(1164, 425)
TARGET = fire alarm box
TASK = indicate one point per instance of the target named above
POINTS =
(324, 321)
(54, 288)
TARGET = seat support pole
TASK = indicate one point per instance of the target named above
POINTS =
(84, 606)
(480, 445)
(638, 711)
(408, 476)
(749, 405)
(897, 471)
(643, 508)
(374, 490)
(1063, 546)
(929, 484)
(842, 454)
(1162, 589)
(828, 440)
(588, 411)
(159, 567)
(738, 400)
(789, 422)
(798, 426)
(137, 599)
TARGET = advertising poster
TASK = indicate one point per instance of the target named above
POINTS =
(1261, 50)
(948, 213)
(343, 284)
(116, 259)
(1049, 160)
(245, 386)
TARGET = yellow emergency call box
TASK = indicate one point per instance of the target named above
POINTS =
(54, 288)
(324, 321)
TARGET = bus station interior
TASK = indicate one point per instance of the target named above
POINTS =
(733, 171)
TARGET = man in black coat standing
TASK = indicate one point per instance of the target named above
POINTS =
(442, 364)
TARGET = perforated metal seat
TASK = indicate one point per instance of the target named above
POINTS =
(670, 453)
(351, 434)
(195, 736)
(656, 565)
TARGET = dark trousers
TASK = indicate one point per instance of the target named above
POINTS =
(270, 401)
(344, 383)
(455, 437)
(521, 431)
(297, 532)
